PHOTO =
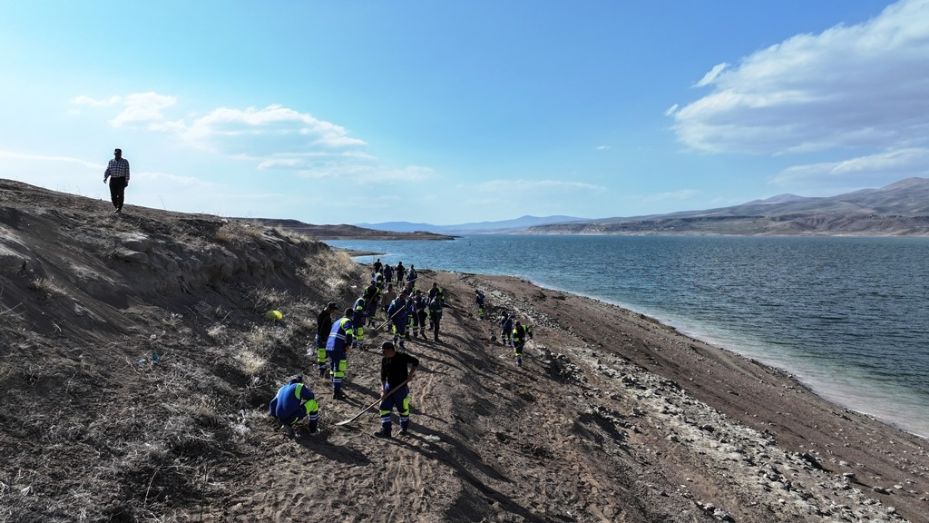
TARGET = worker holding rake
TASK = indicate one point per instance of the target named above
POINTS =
(397, 369)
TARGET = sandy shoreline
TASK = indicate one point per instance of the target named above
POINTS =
(764, 398)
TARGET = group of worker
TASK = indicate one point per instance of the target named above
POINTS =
(406, 313)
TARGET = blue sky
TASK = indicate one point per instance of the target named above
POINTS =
(449, 112)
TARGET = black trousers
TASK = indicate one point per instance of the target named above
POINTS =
(118, 191)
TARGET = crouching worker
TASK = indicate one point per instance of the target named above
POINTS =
(397, 369)
(294, 402)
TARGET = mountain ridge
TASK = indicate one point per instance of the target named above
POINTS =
(472, 227)
(897, 209)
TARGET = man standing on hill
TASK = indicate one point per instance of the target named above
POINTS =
(388, 273)
(340, 339)
(323, 326)
(294, 402)
(397, 370)
(118, 173)
(401, 270)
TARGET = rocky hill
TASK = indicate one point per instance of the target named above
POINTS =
(900, 209)
(136, 363)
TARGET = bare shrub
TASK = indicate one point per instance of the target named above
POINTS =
(250, 362)
(46, 287)
(237, 233)
(293, 235)
(264, 298)
(217, 332)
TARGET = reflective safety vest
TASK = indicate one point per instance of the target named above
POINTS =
(520, 332)
(341, 335)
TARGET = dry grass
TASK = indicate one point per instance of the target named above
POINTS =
(264, 298)
(46, 287)
(238, 233)
(217, 333)
(251, 363)
(294, 236)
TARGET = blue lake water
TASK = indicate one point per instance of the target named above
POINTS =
(847, 316)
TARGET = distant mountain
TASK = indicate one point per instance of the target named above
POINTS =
(523, 222)
(781, 198)
(343, 231)
(901, 208)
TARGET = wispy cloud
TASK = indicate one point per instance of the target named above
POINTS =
(861, 85)
(896, 163)
(226, 128)
(274, 137)
(711, 75)
(604, 147)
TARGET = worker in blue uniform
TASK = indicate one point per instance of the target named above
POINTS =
(399, 314)
(341, 338)
(293, 403)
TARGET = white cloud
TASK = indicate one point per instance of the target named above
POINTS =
(879, 167)
(711, 75)
(275, 138)
(604, 147)
(861, 85)
(275, 126)
(671, 110)
(143, 108)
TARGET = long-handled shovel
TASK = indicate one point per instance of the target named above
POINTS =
(371, 406)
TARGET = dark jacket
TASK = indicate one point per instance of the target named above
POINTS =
(394, 370)
(323, 326)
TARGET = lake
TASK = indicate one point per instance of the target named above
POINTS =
(848, 316)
